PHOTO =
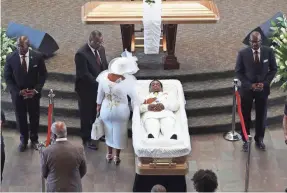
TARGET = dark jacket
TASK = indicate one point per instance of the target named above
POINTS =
(63, 165)
(249, 72)
(3, 119)
(88, 69)
(17, 79)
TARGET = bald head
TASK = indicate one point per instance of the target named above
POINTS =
(96, 39)
(23, 45)
(255, 40)
(255, 34)
(158, 188)
(59, 129)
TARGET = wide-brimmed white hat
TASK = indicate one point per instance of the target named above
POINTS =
(123, 65)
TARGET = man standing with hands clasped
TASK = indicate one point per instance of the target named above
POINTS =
(255, 67)
(25, 74)
(90, 61)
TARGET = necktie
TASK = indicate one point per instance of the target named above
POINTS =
(256, 57)
(24, 64)
(98, 58)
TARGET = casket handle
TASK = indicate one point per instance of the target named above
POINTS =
(157, 163)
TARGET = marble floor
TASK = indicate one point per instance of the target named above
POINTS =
(268, 170)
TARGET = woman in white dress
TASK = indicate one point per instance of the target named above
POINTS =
(115, 84)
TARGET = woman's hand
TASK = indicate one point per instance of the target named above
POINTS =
(98, 108)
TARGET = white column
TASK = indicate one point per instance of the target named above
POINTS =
(152, 26)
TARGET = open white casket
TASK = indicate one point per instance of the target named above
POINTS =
(161, 155)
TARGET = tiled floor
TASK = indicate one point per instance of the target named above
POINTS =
(268, 169)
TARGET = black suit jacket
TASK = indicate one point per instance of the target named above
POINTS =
(17, 79)
(87, 70)
(248, 72)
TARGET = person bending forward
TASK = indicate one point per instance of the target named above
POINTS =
(115, 85)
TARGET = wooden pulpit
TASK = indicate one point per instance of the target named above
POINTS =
(128, 13)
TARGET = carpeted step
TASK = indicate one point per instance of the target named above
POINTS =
(222, 122)
(223, 104)
(194, 107)
(196, 89)
(182, 75)
(201, 124)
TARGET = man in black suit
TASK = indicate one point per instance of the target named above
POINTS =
(25, 74)
(2, 145)
(90, 61)
(255, 67)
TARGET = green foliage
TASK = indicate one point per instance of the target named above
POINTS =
(8, 45)
(279, 45)
(149, 1)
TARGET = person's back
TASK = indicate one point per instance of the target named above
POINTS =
(64, 167)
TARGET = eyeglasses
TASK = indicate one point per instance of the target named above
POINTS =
(98, 43)
(252, 41)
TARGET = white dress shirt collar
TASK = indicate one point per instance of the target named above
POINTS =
(255, 51)
(93, 50)
(61, 139)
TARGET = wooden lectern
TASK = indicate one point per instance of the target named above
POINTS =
(127, 14)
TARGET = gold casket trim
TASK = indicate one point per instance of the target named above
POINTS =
(161, 166)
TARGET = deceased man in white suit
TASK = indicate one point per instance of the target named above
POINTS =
(158, 112)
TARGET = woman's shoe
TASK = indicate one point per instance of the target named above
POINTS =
(109, 157)
(117, 160)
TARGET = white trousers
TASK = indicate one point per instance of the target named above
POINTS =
(164, 125)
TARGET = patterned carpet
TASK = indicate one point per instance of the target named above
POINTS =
(200, 48)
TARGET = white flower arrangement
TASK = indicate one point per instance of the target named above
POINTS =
(279, 45)
(8, 46)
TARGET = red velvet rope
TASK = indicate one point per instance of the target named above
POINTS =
(245, 135)
(50, 110)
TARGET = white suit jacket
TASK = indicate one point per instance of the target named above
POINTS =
(168, 100)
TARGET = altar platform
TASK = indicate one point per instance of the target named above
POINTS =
(131, 12)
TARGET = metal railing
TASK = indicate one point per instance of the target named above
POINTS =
(43, 145)
(234, 136)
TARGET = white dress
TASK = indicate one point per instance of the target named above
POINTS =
(115, 111)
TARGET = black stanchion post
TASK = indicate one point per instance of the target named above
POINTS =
(233, 135)
(247, 164)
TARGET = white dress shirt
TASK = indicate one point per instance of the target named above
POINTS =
(26, 59)
(27, 55)
(254, 54)
(93, 50)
